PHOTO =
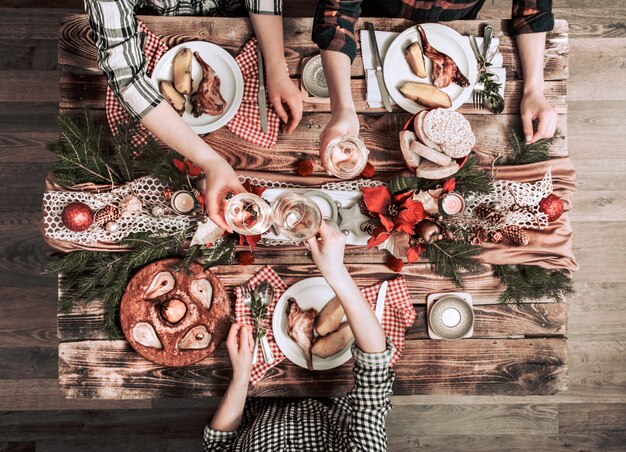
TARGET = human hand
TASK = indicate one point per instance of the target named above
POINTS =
(219, 181)
(534, 106)
(343, 122)
(327, 251)
(239, 345)
(280, 89)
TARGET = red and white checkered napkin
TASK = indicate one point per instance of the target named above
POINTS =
(242, 315)
(154, 49)
(247, 122)
(398, 315)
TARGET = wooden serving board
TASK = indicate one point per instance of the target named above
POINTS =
(515, 350)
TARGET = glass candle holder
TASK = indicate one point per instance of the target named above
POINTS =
(248, 214)
(346, 157)
(297, 217)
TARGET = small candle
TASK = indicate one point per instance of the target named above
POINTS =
(452, 204)
(182, 201)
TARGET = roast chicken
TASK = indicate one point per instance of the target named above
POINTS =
(445, 70)
(208, 98)
(300, 325)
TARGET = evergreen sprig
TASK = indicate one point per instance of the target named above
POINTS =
(523, 153)
(450, 259)
(472, 179)
(158, 162)
(531, 283)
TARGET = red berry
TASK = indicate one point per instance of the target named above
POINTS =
(395, 264)
(304, 167)
(368, 171)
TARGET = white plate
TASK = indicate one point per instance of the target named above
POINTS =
(445, 39)
(226, 69)
(309, 293)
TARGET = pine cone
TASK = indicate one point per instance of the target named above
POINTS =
(515, 234)
(486, 211)
(106, 214)
(369, 227)
(363, 208)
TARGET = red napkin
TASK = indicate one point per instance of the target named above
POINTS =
(154, 49)
(247, 122)
(398, 315)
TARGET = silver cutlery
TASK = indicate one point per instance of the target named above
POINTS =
(384, 94)
(380, 301)
(487, 35)
(261, 93)
(266, 293)
(478, 93)
(246, 295)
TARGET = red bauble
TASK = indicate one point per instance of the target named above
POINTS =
(304, 167)
(77, 216)
(395, 264)
(369, 171)
(552, 206)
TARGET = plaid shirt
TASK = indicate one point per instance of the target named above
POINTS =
(120, 44)
(333, 28)
(355, 422)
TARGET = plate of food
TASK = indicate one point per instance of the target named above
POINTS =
(310, 327)
(202, 82)
(430, 66)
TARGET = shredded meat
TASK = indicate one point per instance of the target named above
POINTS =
(208, 98)
(300, 326)
(445, 70)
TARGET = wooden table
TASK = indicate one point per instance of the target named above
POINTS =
(515, 350)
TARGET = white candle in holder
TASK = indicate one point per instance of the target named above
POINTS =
(452, 204)
(182, 202)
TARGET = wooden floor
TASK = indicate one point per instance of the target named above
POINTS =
(590, 415)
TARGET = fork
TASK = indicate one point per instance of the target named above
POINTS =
(246, 295)
(478, 96)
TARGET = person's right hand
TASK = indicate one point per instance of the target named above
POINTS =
(220, 179)
(239, 345)
(343, 122)
(327, 250)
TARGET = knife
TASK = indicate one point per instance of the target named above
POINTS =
(487, 35)
(261, 93)
(380, 301)
(384, 94)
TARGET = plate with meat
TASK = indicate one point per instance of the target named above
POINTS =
(430, 66)
(202, 82)
(310, 327)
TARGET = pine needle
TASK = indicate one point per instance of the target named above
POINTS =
(452, 259)
(531, 283)
(523, 153)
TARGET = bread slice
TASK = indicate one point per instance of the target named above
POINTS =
(430, 154)
(430, 170)
(418, 125)
(407, 138)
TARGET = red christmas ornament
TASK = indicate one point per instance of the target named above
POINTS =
(552, 206)
(395, 264)
(304, 167)
(77, 216)
(245, 258)
(368, 171)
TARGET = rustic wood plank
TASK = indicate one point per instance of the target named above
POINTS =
(31, 24)
(86, 321)
(592, 418)
(76, 47)
(110, 369)
(29, 54)
(28, 362)
(30, 86)
(596, 126)
(599, 64)
(89, 90)
(28, 317)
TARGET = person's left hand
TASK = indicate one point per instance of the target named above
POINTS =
(535, 106)
(239, 345)
(280, 89)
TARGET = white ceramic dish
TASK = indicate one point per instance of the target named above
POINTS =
(224, 65)
(445, 39)
(309, 293)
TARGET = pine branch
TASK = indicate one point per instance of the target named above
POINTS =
(159, 163)
(399, 184)
(531, 283)
(523, 153)
(471, 179)
(450, 259)
(222, 252)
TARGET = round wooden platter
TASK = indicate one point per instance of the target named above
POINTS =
(136, 306)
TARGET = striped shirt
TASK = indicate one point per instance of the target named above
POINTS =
(333, 28)
(120, 44)
(355, 422)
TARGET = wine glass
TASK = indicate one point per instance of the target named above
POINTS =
(297, 217)
(248, 214)
(346, 156)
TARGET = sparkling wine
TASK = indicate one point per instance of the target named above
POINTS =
(297, 217)
(346, 156)
(248, 214)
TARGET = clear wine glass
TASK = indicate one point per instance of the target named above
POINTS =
(297, 217)
(346, 156)
(248, 214)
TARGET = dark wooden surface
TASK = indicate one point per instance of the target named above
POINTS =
(527, 361)
(588, 416)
